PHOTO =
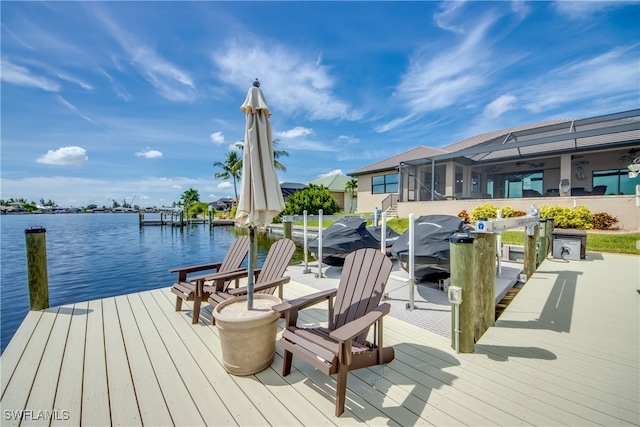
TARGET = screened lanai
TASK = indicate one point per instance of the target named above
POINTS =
(560, 158)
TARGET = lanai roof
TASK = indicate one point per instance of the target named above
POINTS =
(612, 130)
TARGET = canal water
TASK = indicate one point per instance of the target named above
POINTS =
(92, 256)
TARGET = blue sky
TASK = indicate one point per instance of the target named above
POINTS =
(117, 100)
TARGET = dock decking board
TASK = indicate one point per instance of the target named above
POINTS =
(565, 352)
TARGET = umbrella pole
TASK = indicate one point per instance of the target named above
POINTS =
(250, 279)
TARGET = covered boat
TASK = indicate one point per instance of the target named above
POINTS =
(432, 234)
(347, 235)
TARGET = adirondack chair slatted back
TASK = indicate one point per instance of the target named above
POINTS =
(235, 255)
(276, 262)
(361, 287)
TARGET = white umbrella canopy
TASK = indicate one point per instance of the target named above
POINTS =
(260, 194)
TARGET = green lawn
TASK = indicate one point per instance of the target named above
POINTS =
(624, 243)
(596, 242)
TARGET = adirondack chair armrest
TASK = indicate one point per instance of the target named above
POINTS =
(199, 267)
(226, 276)
(305, 301)
(354, 328)
(261, 287)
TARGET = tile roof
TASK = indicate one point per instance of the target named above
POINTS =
(336, 182)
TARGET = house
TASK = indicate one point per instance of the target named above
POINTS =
(556, 162)
(223, 204)
(288, 188)
(336, 184)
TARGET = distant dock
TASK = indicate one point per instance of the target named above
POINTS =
(177, 219)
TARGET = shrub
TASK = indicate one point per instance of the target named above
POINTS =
(484, 211)
(579, 217)
(311, 199)
(519, 213)
(603, 221)
(490, 211)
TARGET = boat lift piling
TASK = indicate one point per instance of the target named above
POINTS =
(383, 233)
(319, 275)
(412, 267)
(305, 244)
(473, 269)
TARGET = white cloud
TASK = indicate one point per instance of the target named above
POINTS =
(445, 18)
(225, 184)
(333, 172)
(499, 106)
(75, 80)
(72, 155)
(117, 87)
(587, 79)
(294, 82)
(520, 8)
(20, 76)
(437, 81)
(73, 108)
(217, 137)
(235, 147)
(585, 9)
(344, 139)
(176, 186)
(169, 80)
(149, 154)
(296, 132)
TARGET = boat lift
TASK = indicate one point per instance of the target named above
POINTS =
(484, 226)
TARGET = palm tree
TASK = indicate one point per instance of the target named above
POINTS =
(276, 154)
(352, 186)
(188, 197)
(231, 168)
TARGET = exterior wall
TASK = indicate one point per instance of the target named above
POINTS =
(366, 200)
(622, 207)
(339, 197)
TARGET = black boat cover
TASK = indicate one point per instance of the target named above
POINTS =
(347, 235)
(432, 234)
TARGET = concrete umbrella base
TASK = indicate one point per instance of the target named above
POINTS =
(247, 337)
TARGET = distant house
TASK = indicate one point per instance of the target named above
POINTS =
(336, 184)
(288, 188)
(223, 204)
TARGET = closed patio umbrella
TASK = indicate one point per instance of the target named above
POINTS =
(260, 197)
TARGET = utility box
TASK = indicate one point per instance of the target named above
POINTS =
(567, 249)
(579, 235)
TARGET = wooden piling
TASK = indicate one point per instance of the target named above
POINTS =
(548, 230)
(541, 254)
(485, 282)
(462, 274)
(36, 244)
(530, 253)
(286, 229)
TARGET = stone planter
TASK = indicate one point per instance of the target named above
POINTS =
(247, 337)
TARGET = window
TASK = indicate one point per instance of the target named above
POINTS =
(515, 185)
(616, 180)
(384, 184)
(475, 182)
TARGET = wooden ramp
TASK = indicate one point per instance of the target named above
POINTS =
(565, 352)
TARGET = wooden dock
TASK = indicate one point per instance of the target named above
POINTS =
(565, 352)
